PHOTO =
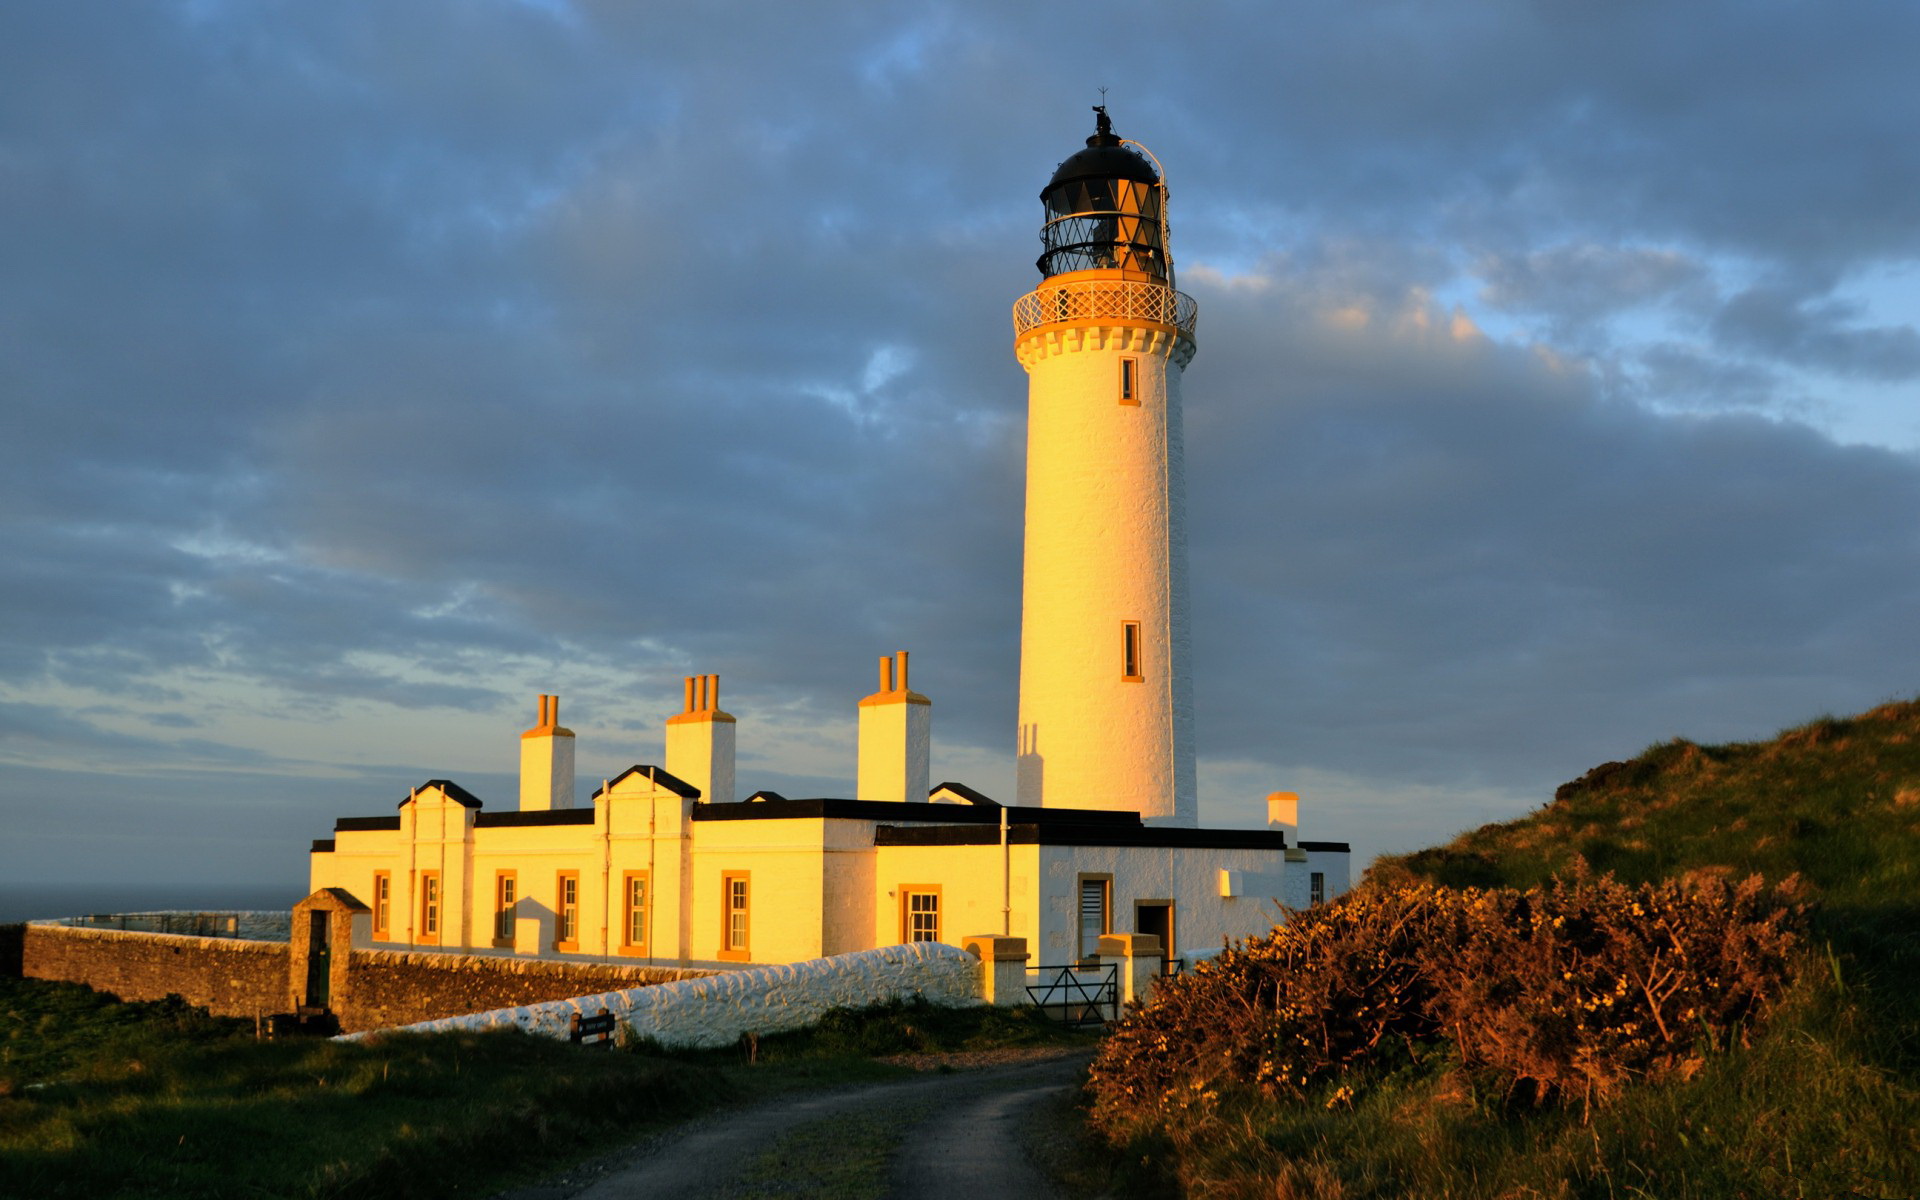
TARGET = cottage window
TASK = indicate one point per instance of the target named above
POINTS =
(382, 905)
(1317, 885)
(506, 890)
(634, 923)
(567, 912)
(920, 914)
(430, 907)
(734, 923)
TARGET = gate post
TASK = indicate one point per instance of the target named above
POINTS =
(1003, 968)
(1138, 957)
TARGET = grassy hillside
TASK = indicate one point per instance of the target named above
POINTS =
(1818, 1095)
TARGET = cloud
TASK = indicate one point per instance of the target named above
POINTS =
(1817, 332)
(370, 367)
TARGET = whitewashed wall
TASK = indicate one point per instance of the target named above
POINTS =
(717, 1009)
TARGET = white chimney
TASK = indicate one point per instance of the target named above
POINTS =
(700, 741)
(896, 737)
(1283, 814)
(546, 761)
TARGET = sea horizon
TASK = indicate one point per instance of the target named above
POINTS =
(39, 901)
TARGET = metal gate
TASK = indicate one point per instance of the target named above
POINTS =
(1077, 995)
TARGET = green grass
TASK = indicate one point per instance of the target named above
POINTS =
(103, 1099)
(1824, 1101)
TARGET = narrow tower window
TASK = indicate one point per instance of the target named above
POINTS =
(1130, 652)
(1130, 381)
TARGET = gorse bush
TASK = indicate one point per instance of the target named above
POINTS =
(1562, 994)
(1578, 989)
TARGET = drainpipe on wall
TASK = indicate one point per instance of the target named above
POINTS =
(606, 871)
(413, 857)
(1006, 879)
(653, 893)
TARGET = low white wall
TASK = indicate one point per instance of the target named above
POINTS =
(716, 1010)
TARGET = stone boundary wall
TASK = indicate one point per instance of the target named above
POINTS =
(396, 987)
(717, 1009)
(229, 977)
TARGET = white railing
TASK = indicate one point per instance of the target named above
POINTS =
(1104, 300)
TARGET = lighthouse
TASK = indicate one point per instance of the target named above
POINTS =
(1106, 699)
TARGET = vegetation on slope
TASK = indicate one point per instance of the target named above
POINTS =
(104, 1099)
(1417, 1040)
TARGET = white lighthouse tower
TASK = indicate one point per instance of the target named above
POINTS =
(1106, 701)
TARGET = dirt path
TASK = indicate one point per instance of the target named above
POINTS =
(951, 1134)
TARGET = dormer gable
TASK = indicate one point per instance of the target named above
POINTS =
(644, 778)
(441, 791)
(960, 793)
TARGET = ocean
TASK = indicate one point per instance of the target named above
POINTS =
(28, 902)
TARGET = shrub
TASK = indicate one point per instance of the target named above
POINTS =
(1576, 989)
(1317, 996)
(1563, 993)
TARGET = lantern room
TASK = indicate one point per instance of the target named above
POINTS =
(1106, 210)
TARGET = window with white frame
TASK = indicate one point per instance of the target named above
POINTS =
(920, 914)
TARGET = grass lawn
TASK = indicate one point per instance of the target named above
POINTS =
(103, 1099)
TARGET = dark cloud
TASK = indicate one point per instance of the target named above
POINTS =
(370, 364)
(1574, 285)
(1816, 332)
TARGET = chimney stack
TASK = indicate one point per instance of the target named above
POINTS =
(700, 741)
(546, 761)
(896, 736)
(1283, 813)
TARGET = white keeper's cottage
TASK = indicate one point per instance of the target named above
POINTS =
(668, 865)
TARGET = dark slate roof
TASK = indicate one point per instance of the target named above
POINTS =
(1330, 847)
(965, 793)
(549, 816)
(765, 794)
(453, 790)
(774, 807)
(1072, 833)
(350, 824)
(322, 846)
(659, 775)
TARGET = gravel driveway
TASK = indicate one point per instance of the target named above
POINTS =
(952, 1134)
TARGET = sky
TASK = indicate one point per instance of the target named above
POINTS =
(367, 369)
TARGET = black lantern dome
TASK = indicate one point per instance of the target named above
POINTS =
(1105, 210)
